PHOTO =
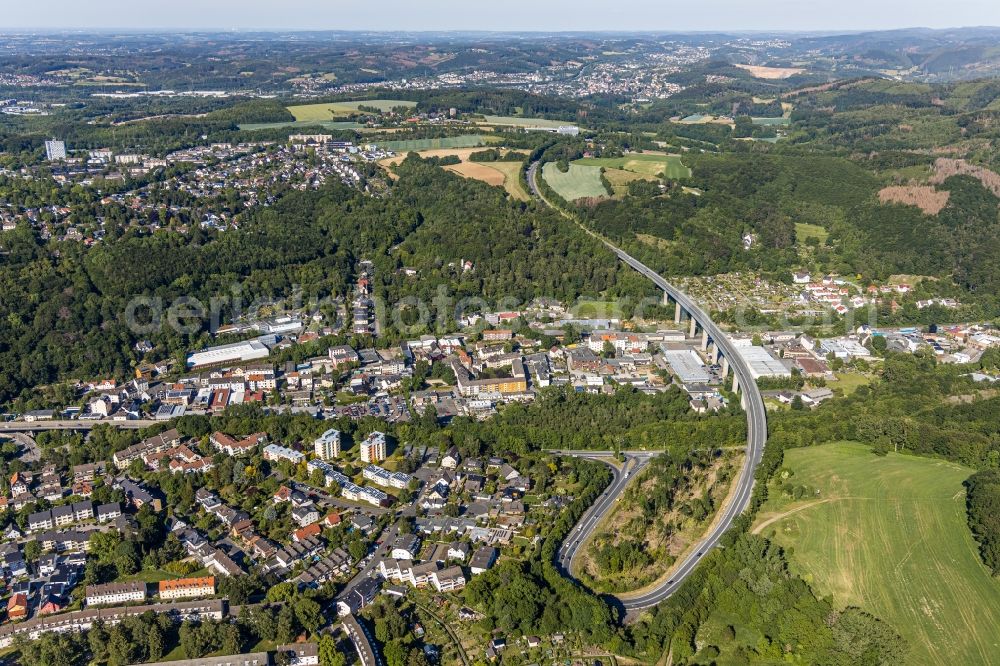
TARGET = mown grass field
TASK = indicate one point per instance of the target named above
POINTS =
(889, 534)
(849, 381)
(579, 182)
(619, 179)
(644, 164)
(479, 171)
(586, 308)
(805, 231)
(516, 121)
(331, 110)
(461, 141)
(771, 121)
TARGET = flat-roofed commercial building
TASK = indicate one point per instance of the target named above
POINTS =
(248, 350)
(762, 364)
(686, 365)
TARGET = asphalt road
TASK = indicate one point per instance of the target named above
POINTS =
(72, 424)
(592, 517)
(756, 428)
(381, 551)
(29, 447)
(532, 172)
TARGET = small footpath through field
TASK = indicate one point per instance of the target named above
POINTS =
(889, 535)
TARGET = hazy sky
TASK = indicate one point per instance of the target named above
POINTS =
(548, 15)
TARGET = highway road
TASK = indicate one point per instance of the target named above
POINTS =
(753, 404)
(634, 462)
(532, 173)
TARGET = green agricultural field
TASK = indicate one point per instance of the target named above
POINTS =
(462, 141)
(515, 121)
(330, 125)
(577, 183)
(331, 110)
(645, 164)
(889, 534)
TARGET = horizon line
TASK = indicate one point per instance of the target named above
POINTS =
(504, 31)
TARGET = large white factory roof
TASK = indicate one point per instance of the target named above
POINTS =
(761, 363)
(247, 350)
(687, 365)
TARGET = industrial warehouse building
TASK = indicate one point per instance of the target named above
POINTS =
(686, 365)
(761, 363)
(248, 350)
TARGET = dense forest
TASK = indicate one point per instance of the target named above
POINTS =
(561, 418)
(983, 503)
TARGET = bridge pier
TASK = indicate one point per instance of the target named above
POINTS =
(725, 366)
(736, 383)
(715, 352)
(666, 299)
(694, 327)
(677, 311)
(704, 339)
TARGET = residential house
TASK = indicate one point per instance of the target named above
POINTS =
(458, 550)
(299, 654)
(186, 588)
(115, 593)
(17, 607)
(108, 512)
(448, 580)
(451, 459)
(405, 547)
(358, 596)
(275, 453)
(305, 514)
(483, 559)
(139, 495)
